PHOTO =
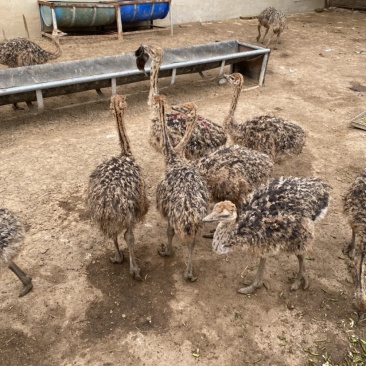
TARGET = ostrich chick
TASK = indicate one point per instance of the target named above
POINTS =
(11, 239)
(232, 172)
(280, 216)
(355, 209)
(116, 193)
(206, 136)
(268, 134)
(271, 18)
(182, 196)
(19, 52)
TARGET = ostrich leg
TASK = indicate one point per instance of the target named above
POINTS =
(258, 279)
(130, 240)
(26, 280)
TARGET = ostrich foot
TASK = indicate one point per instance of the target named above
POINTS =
(297, 283)
(188, 276)
(118, 258)
(251, 288)
(165, 251)
(135, 272)
(349, 250)
(27, 286)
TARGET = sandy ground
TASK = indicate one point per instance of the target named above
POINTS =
(84, 310)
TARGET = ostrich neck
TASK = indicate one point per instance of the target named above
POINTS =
(223, 233)
(169, 153)
(154, 75)
(190, 125)
(58, 52)
(123, 139)
(229, 120)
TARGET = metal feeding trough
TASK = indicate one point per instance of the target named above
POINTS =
(34, 83)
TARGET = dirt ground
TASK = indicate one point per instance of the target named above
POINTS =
(84, 310)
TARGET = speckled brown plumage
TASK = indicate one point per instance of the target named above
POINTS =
(355, 208)
(269, 134)
(182, 195)
(207, 135)
(23, 52)
(271, 18)
(280, 216)
(11, 240)
(116, 193)
(232, 172)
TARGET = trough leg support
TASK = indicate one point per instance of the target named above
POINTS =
(39, 100)
(174, 73)
(222, 68)
(263, 69)
(171, 19)
(54, 21)
(119, 22)
(100, 93)
(114, 86)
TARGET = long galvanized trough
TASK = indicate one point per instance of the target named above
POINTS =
(34, 83)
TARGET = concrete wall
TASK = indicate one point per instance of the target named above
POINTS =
(11, 19)
(183, 11)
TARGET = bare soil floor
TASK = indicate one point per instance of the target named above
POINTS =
(84, 310)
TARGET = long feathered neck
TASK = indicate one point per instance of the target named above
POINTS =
(169, 153)
(222, 236)
(190, 125)
(154, 77)
(229, 124)
(58, 52)
(118, 111)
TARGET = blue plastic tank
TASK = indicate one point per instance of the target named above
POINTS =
(144, 11)
(98, 16)
(78, 17)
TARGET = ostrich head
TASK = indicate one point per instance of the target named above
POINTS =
(224, 211)
(235, 79)
(143, 53)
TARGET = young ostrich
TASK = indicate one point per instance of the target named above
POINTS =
(279, 216)
(182, 195)
(271, 18)
(19, 52)
(232, 172)
(271, 135)
(207, 135)
(116, 193)
(11, 238)
(355, 208)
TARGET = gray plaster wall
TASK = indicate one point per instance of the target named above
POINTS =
(183, 11)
